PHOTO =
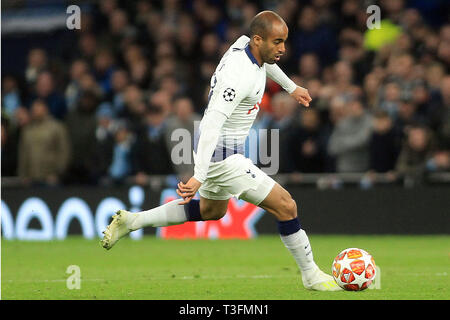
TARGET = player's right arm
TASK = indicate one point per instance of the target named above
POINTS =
(229, 86)
(214, 121)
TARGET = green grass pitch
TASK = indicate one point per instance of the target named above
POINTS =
(412, 267)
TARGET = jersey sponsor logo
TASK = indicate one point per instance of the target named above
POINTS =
(229, 94)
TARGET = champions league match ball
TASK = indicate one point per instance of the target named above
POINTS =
(353, 269)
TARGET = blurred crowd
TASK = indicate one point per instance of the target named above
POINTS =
(141, 69)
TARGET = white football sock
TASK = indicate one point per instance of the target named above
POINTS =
(168, 214)
(300, 248)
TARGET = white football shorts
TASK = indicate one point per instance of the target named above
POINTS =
(236, 176)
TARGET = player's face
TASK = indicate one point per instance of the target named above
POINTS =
(272, 48)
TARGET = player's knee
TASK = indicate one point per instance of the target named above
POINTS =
(288, 209)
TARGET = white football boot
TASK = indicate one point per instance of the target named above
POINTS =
(319, 281)
(118, 228)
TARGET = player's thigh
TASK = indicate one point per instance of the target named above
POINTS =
(279, 202)
(246, 181)
(211, 209)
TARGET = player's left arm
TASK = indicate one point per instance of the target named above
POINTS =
(274, 72)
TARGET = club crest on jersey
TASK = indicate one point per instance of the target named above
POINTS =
(229, 94)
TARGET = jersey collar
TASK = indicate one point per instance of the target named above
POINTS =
(250, 55)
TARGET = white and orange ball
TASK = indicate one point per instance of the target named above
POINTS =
(354, 269)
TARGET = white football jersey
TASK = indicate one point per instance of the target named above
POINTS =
(237, 88)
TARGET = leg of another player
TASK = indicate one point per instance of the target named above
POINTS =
(280, 203)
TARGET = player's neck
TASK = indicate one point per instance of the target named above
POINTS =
(255, 53)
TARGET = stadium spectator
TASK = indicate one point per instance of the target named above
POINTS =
(417, 148)
(120, 29)
(12, 129)
(307, 143)
(88, 83)
(104, 143)
(344, 80)
(384, 143)
(401, 71)
(131, 53)
(37, 62)
(8, 150)
(44, 147)
(309, 67)
(209, 47)
(104, 9)
(119, 82)
(150, 154)
(349, 11)
(121, 165)
(390, 101)
(162, 99)
(440, 114)
(406, 116)
(349, 140)
(135, 106)
(11, 99)
(73, 89)
(20, 120)
(82, 141)
(45, 90)
(283, 119)
(183, 118)
(103, 69)
(371, 88)
(420, 97)
(314, 36)
(351, 50)
(140, 73)
(443, 49)
(434, 75)
(186, 40)
(87, 47)
(439, 161)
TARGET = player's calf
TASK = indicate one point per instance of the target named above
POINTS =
(280, 203)
(212, 209)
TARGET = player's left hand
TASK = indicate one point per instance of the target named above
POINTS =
(188, 190)
(302, 96)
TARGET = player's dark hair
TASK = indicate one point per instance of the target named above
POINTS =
(261, 24)
(260, 27)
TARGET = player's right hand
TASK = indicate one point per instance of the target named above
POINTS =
(188, 190)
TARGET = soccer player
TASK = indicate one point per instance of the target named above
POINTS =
(221, 171)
